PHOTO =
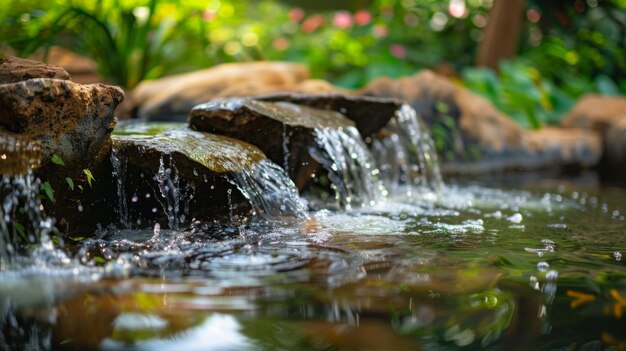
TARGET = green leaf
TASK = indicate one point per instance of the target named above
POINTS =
(70, 182)
(90, 177)
(47, 188)
(57, 160)
(100, 260)
(80, 187)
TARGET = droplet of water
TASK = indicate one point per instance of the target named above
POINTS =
(543, 266)
(617, 255)
(516, 218)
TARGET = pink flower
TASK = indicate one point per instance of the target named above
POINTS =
(397, 50)
(312, 23)
(209, 15)
(380, 31)
(296, 14)
(342, 20)
(457, 8)
(280, 44)
(362, 17)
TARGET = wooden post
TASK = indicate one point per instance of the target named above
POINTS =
(502, 33)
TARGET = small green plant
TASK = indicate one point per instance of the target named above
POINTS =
(70, 182)
(90, 177)
(47, 189)
(57, 160)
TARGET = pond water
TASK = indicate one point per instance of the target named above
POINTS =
(470, 267)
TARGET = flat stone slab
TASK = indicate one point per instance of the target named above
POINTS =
(370, 114)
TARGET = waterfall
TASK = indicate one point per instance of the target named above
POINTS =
(119, 173)
(350, 165)
(406, 154)
(171, 193)
(22, 222)
(269, 190)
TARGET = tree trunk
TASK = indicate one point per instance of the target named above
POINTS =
(502, 33)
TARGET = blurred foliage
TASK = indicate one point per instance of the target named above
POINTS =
(568, 47)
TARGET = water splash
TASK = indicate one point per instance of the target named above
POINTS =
(270, 191)
(350, 165)
(406, 154)
(172, 195)
(22, 222)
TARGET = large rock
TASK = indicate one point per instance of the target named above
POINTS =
(607, 116)
(471, 135)
(71, 120)
(171, 98)
(171, 174)
(15, 69)
(282, 130)
(370, 114)
(73, 123)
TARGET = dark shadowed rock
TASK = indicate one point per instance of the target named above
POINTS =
(73, 123)
(15, 69)
(181, 173)
(282, 130)
(370, 114)
(605, 115)
(472, 136)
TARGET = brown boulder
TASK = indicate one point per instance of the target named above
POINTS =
(72, 122)
(15, 69)
(605, 115)
(471, 135)
(173, 97)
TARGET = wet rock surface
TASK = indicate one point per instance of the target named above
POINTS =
(171, 174)
(472, 136)
(171, 98)
(15, 69)
(282, 130)
(370, 114)
(606, 116)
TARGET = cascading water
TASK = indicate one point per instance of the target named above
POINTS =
(22, 222)
(171, 193)
(270, 191)
(406, 155)
(350, 165)
(119, 173)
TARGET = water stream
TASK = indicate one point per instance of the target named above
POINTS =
(405, 264)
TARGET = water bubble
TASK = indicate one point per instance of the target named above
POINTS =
(543, 266)
(154, 210)
(617, 255)
(157, 229)
(135, 198)
(616, 213)
(516, 218)
(147, 195)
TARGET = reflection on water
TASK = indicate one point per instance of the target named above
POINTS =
(468, 268)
